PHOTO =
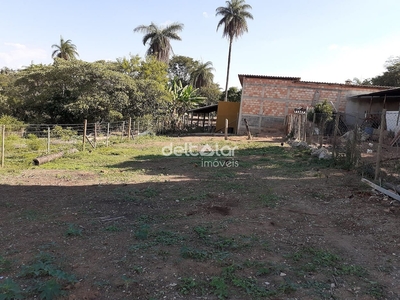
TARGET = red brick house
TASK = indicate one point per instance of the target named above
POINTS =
(267, 100)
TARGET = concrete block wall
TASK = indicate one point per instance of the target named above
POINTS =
(267, 100)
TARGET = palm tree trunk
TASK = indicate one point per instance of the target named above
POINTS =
(227, 72)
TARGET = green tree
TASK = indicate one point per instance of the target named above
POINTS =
(129, 66)
(159, 39)
(65, 50)
(8, 101)
(70, 91)
(234, 22)
(211, 93)
(202, 75)
(323, 113)
(180, 68)
(33, 88)
(151, 78)
(358, 81)
(153, 69)
(234, 94)
(391, 77)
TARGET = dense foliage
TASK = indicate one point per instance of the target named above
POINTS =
(71, 91)
(390, 77)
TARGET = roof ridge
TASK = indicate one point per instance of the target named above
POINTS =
(298, 79)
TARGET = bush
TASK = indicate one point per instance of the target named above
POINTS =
(323, 113)
(64, 134)
(34, 143)
(12, 124)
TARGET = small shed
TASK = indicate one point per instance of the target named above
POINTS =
(376, 101)
(370, 106)
(203, 116)
(212, 117)
(228, 111)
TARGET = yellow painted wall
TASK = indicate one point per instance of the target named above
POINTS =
(230, 111)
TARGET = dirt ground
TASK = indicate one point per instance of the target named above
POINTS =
(140, 238)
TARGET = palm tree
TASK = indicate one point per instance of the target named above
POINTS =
(202, 75)
(234, 16)
(159, 39)
(65, 50)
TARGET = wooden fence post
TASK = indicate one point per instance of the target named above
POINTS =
(108, 133)
(398, 116)
(95, 135)
(48, 140)
(378, 154)
(84, 135)
(3, 142)
(335, 132)
(313, 127)
(226, 128)
(129, 128)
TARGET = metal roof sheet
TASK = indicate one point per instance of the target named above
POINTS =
(298, 79)
(394, 92)
(205, 109)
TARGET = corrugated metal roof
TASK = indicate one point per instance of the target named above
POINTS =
(394, 92)
(298, 79)
(205, 109)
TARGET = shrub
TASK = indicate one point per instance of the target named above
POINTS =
(64, 134)
(12, 124)
(323, 113)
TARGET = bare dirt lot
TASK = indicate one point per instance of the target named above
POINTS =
(278, 225)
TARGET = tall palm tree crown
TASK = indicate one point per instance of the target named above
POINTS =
(159, 39)
(202, 75)
(234, 21)
(65, 50)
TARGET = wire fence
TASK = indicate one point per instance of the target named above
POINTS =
(370, 143)
(19, 142)
(30, 141)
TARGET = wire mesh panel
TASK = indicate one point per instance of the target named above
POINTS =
(27, 141)
(353, 140)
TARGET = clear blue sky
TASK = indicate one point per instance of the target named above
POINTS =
(317, 40)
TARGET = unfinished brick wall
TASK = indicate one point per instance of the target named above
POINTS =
(266, 100)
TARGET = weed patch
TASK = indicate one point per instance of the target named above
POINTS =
(112, 228)
(73, 230)
(10, 290)
(44, 276)
(5, 264)
(269, 199)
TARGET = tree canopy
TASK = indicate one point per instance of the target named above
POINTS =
(65, 50)
(202, 75)
(181, 67)
(71, 91)
(234, 94)
(159, 39)
(391, 77)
